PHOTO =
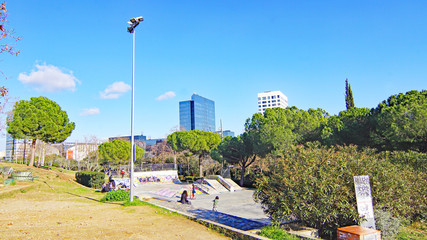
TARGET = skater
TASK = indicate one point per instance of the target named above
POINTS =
(215, 204)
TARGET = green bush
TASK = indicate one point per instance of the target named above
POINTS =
(116, 196)
(90, 179)
(414, 161)
(277, 233)
(388, 225)
(315, 185)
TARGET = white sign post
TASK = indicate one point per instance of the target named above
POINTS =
(364, 201)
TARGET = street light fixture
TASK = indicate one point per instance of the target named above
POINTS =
(131, 29)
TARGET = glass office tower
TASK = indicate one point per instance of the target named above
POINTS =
(197, 114)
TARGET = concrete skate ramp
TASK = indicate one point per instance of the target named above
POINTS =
(216, 185)
(232, 183)
(205, 188)
(225, 183)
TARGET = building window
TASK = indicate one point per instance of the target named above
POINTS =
(268, 97)
(268, 101)
(264, 105)
(259, 98)
(263, 98)
(259, 105)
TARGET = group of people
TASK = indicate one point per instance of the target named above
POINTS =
(184, 198)
(106, 187)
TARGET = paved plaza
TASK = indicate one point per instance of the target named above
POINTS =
(236, 209)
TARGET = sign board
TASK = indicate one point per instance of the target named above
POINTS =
(364, 201)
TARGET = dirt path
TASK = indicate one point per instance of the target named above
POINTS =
(54, 208)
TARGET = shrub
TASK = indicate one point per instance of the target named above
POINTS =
(388, 225)
(90, 179)
(414, 161)
(116, 196)
(277, 233)
(315, 185)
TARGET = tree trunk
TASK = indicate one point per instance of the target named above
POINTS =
(242, 176)
(25, 151)
(200, 166)
(33, 150)
(43, 154)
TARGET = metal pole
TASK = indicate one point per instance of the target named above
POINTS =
(132, 141)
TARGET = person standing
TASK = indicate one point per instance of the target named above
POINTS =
(215, 204)
(193, 191)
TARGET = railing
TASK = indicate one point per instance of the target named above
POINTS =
(143, 167)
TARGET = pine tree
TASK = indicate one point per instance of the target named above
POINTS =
(349, 101)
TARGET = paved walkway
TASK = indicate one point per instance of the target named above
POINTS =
(235, 209)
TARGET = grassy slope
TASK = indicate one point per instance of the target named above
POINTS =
(55, 206)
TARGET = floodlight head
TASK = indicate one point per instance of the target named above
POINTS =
(133, 23)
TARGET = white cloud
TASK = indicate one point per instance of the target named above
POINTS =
(115, 90)
(49, 78)
(165, 96)
(90, 111)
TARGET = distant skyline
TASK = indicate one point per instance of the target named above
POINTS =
(79, 54)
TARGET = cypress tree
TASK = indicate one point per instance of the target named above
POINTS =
(349, 101)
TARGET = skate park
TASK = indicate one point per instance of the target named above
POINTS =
(236, 206)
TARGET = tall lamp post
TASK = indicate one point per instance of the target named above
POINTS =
(131, 29)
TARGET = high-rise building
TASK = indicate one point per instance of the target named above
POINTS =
(18, 149)
(197, 114)
(271, 99)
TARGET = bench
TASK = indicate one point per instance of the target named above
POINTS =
(6, 171)
(23, 176)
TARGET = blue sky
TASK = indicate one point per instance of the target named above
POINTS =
(79, 54)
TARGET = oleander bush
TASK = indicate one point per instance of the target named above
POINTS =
(314, 184)
(414, 161)
(90, 179)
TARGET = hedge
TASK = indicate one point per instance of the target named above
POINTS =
(90, 179)
(315, 185)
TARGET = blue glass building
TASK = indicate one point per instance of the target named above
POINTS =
(197, 114)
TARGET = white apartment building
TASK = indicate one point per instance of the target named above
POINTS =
(271, 99)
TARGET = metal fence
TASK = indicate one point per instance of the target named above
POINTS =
(144, 167)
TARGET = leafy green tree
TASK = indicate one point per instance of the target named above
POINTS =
(352, 126)
(241, 150)
(39, 119)
(349, 101)
(118, 152)
(197, 142)
(401, 122)
(280, 128)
